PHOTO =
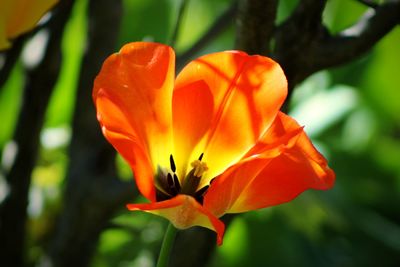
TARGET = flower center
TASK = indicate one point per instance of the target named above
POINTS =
(168, 185)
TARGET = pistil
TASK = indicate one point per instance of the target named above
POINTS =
(170, 185)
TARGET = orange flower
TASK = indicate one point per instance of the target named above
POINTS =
(20, 16)
(210, 142)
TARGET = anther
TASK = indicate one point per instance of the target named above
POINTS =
(171, 185)
(202, 190)
(199, 168)
(176, 183)
(172, 163)
(170, 180)
(201, 156)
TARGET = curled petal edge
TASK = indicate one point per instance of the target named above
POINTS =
(183, 211)
(275, 171)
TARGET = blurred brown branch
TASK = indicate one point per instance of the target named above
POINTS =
(93, 192)
(37, 91)
(304, 45)
(255, 25)
(359, 38)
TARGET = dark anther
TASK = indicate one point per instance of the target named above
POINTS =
(199, 195)
(170, 180)
(172, 188)
(202, 190)
(162, 196)
(176, 183)
(190, 183)
(172, 163)
(168, 184)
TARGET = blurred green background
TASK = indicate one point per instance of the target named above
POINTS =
(357, 127)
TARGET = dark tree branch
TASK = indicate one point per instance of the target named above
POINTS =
(37, 92)
(304, 46)
(202, 244)
(358, 39)
(220, 25)
(296, 37)
(93, 191)
(197, 244)
(255, 25)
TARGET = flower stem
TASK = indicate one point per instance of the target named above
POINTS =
(166, 246)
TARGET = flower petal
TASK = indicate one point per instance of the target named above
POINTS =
(267, 178)
(132, 94)
(193, 107)
(184, 211)
(138, 159)
(224, 102)
(4, 42)
(20, 16)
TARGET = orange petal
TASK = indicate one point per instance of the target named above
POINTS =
(184, 211)
(132, 94)
(138, 159)
(193, 107)
(224, 102)
(268, 179)
(20, 16)
(4, 42)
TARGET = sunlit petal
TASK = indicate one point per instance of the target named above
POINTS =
(222, 104)
(274, 175)
(20, 16)
(183, 212)
(133, 93)
(138, 159)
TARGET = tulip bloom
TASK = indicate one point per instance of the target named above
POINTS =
(20, 16)
(210, 142)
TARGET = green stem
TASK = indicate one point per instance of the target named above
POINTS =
(166, 246)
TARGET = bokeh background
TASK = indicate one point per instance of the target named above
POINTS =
(351, 112)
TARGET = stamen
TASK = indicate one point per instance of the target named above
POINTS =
(172, 163)
(176, 183)
(160, 196)
(202, 190)
(170, 180)
(164, 183)
(171, 185)
(168, 185)
(199, 195)
(199, 168)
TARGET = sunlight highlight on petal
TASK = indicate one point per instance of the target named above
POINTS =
(240, 100)
(20, 16)
(271, 177)
(133, 97)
